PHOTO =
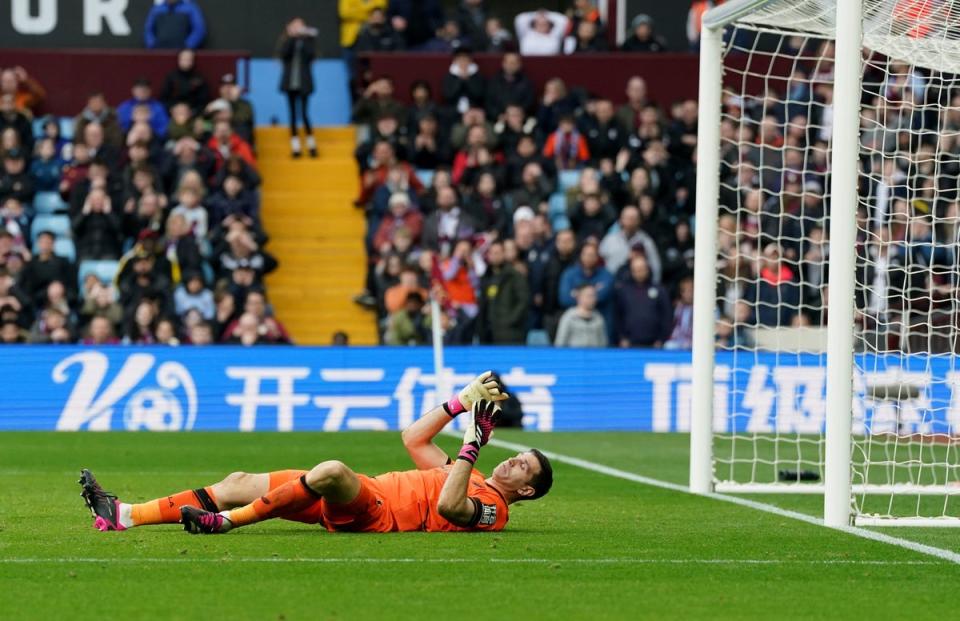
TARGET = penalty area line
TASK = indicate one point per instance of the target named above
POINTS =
(940, 553)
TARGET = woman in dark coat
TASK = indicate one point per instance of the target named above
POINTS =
(296, 48)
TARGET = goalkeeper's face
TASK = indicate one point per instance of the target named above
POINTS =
(517, 473)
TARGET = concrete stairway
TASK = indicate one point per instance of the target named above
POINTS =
(316, 234)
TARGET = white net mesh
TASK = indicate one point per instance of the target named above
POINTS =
(774, 255)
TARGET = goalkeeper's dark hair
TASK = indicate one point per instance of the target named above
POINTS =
(544, 481)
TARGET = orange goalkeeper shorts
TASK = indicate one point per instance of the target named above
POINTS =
(367, 513)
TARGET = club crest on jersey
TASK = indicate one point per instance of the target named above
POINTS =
(488, 515)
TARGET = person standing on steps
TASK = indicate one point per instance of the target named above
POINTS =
(296, 49)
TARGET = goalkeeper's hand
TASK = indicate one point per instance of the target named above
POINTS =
(483, 418)
(484, 387)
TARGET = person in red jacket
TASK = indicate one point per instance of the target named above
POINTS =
(567, 146)
(402, 214)
(225, 143)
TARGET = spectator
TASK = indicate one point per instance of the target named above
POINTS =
(606, 138)
(46, 267)
(498, 38)
(471, 18)
(586, 40)
(47, 167)
(200, 333)
(100, 301)
(463, 87)
(642, 310)
(582, 325)
(417, 21)
(409, 325)
(141, 326)
(617, 244)
(430, 148)
(587, 271)
(100, 332)
(695, 20)
(681, 336)
(142, 96)
(567, 146)
(185, 84)
(773, 293)
(400, 215)
(459, 282)
(28, 95)
(447, 40)
(225, 144)
(52, 326)
(233, 200)
(174, 25)
(11, 333)
(583, 11)
(269, 329)
(541, 33)
(98, 111)
(642, 37)
(377, 35)
(12, 118)
(244, 253)
(504, 301)
(377, 100)
(296, 48)
(15, 221)
(241, 111)
(166, 333)
(96, 229)
(192, 294)
(15, 181)
(535, 188)
(629, 114)
(510, 86)
(247, 332)
(354, 16)
(591, 217)
(448, 224)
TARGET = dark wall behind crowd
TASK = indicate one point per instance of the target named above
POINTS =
(252, 25)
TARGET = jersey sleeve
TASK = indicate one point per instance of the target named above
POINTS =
(490, 510)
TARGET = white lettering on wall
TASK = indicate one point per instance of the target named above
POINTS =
(96, 13)
(40, 24)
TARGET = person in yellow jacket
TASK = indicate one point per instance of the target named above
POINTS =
(353, 14)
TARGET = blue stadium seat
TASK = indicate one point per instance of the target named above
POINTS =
(425, 176)
(560, 223)
(48, 203)
(58, 225)
(569, 179)
(538, 338)
(66, 128)
(558, 204)
(63, 247)
(104, 270)
(38, 127)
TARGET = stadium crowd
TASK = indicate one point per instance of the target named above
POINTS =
(136, 221)
(555, 217)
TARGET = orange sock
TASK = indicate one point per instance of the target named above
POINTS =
(167, 510)
(290, 497)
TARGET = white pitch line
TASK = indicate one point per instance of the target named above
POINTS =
(472, 561)
(946, 555)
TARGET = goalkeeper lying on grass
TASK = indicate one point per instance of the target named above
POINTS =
(441, 495)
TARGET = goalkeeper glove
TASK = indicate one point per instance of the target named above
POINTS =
(486, 387)
(484, 417)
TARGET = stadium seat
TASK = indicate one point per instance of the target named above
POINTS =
(48, 203)
(558, 204)
(425, 176)
(37, 127)
(569, 179)
(538, 338)
(66, 128)
(63, 247)
(58, 225)
(104, 270)
(560, 223)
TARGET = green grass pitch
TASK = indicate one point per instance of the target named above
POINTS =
(597, 547)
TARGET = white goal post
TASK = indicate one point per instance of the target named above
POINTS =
(827, 271)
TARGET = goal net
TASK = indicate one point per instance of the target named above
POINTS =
(773, 256)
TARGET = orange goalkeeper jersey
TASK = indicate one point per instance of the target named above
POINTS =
(412, 496)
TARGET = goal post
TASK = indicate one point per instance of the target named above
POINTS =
(827, 270)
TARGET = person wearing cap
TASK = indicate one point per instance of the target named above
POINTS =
(401, 214)
(241, 110)
(296, 48)
(174, 25)
(141, 95)
(185, 84)
(642, 37)
(15, 180)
